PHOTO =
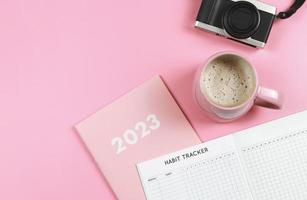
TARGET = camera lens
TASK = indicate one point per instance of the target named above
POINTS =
(241, 19)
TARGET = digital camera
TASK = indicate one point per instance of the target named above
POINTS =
(248, 21)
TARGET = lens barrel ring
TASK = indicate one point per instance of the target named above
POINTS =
(241, 19)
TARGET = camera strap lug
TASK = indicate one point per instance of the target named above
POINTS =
(284, 15)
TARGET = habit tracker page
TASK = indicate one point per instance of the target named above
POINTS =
(210, 170)
(264, 162)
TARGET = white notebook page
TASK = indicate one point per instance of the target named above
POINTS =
(266, 162)
(212, 174)
(274, 156)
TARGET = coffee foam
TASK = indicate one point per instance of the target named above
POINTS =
(228, 81)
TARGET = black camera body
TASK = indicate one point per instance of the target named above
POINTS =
(248, 21)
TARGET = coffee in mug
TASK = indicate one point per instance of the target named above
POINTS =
(227, 86)
(228, 81)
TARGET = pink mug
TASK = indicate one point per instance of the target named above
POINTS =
(260, 96)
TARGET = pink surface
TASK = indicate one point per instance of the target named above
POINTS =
(61, 60)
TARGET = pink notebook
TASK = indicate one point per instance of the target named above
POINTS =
(141, 125)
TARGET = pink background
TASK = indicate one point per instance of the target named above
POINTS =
(61, 60)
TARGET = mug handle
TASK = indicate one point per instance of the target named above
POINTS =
(269, 98)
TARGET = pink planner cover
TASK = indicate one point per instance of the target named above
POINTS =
(141, 125)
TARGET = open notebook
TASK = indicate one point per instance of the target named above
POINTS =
(262, 163)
